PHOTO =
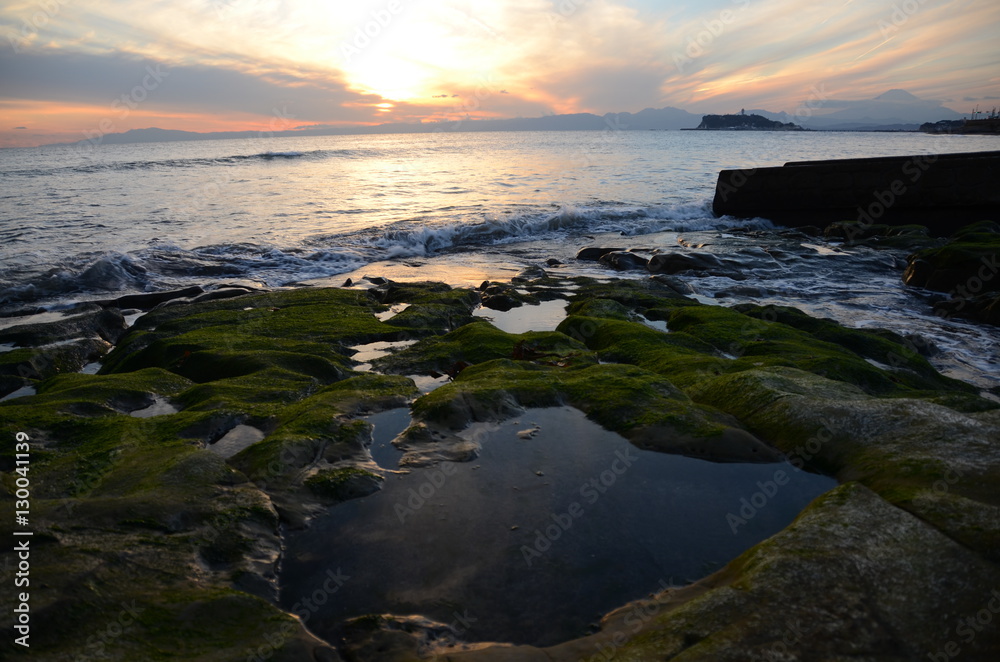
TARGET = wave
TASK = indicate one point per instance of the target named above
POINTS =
(411, 241)
(164, 266)
(90, 165)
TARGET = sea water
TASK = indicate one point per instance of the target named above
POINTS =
(461, 207)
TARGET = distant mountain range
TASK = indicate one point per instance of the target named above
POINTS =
(896, 110)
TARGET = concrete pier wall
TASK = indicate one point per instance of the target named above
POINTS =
(941, 191)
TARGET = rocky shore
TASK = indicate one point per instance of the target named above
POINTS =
(164, 479)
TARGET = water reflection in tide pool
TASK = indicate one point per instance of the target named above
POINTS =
(536, 538)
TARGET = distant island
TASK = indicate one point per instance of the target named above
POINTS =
(744, 122)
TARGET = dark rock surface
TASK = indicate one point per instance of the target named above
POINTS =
(623, 260)
(139, 511)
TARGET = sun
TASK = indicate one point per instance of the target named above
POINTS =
(389, 77)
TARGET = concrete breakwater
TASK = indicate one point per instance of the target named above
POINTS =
(941, 191)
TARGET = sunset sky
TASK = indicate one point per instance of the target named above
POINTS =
(73, 66)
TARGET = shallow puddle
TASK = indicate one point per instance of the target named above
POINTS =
(160, 407)
(22, 392)
(394, 310)
(538, 537)
(365, 354)
(659, 325)
(240, 437)
(387, 425)
(546, 316)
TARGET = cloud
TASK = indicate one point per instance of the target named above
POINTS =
(20, 128)
(245, 59)
(120, 80)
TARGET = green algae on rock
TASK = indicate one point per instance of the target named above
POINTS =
(967, 268)
(137, 512)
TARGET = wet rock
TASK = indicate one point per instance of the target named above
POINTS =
(396, 638)
(967, 266)
(22, 366)
(501, 302)
(594, 253)
(343, 483)
(695, 263)
(222, 293)
(376, 280)
(108, 325)
(553, 262)
(889, 561)
(425, 445)
(150, 300)
(875, 235)
(807, 231)
(623, 260)
(982, 308)
(676, 284)
(529, 274)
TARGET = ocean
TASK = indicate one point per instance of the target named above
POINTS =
(102, 220)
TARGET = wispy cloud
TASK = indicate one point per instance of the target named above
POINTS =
(237, 61)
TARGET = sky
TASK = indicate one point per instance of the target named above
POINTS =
(75, 69)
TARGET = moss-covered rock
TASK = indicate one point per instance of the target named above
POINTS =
(919, 455)
(642, 406)
(967, 263)
(967, 268)
(480, 341)
(881, 235)
(138, 514)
